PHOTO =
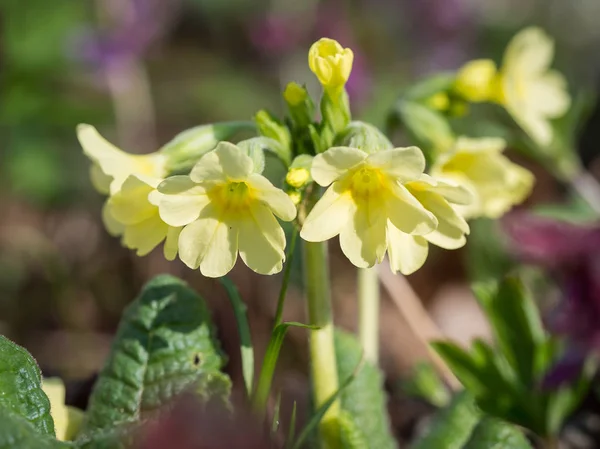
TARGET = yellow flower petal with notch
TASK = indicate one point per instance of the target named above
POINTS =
(478, 164)
(226, 209)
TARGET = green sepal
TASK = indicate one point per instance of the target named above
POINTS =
(187, 147)
(363, 136)
(270, 126)
(256, 147)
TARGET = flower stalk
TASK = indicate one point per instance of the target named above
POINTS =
(321, 344)
(368, 312)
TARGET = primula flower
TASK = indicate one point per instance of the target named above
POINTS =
(530, 91)
(67, 419)
(131, 211)
(476, 80)
(226, 208)
(479, 165)
(331, 63)
(383, 201)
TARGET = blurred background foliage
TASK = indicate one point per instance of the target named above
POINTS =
(143, 70)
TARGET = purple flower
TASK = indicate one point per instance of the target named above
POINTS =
(137, 25)
(571, 254)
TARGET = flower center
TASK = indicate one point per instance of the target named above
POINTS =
(366, 182)
(236, 194)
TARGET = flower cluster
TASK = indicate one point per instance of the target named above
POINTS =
(217, 204)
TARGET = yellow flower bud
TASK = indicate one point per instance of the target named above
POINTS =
(294, 94)
(295, 196)
(439, 101)
(476, 80)
(297, 177)
(330, 62)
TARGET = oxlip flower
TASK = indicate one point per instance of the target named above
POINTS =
(67, 420)
(383, 201)
(331, 63)
(479, 165)
(529, 90)
(226, 208)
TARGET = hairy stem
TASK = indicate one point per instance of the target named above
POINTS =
(321, 344)
(368, 312)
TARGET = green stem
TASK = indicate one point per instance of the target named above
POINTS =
(368, 312)
(286, 277)
(322, 347)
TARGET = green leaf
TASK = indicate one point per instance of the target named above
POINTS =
(425, 383)
(425, 89)
(427, 128)
(364, 399)
(163, 346)
(263, 387)
(21, 387)
(516, 324)
(18, 433)
(451, 426)
(492, 433)
(463, 365)
(123, 437)
(247, 350)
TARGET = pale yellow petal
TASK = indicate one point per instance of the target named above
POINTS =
(403, 164)
(328, 216)
(261, 241)
(407, 214)
(334, 163)
(221, 252)
(146, 235)
(451, 229)
(182, 200)
(363, 238)
(548, 95)
(530, 52)
(226, 161)
(130, 205)
(100, 180)
(112, 225)
(171, 243)
(272, 197)
(407, 253)
(450, 190)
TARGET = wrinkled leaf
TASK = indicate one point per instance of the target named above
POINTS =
(164, 345)
(17, 433)
(21, 391)
(492, 433)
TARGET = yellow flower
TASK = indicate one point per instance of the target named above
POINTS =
(331, 63)
(382, 201)
(225, 208)
(476, 80)
(478, 164)
(67, 420)
(133, 213)
(529, 90)
(112, 166)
